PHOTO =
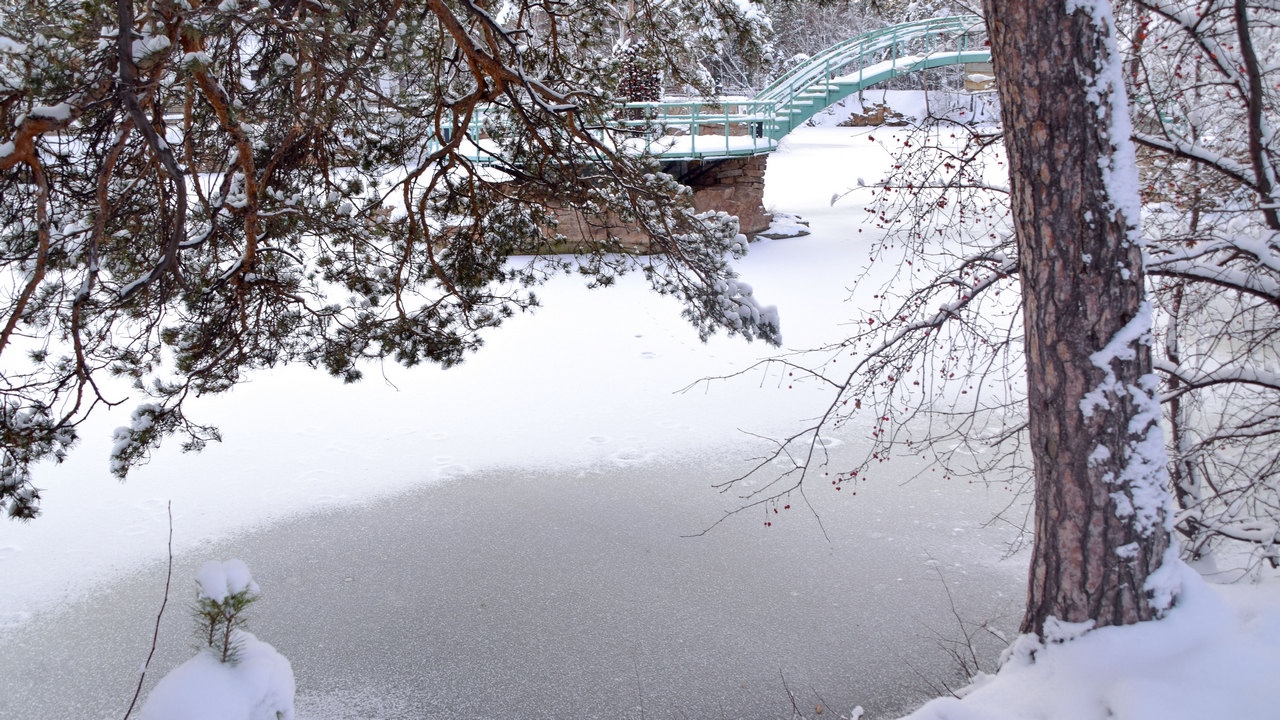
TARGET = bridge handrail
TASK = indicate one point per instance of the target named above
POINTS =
(756, 125)
(749, 117)
(847, 51)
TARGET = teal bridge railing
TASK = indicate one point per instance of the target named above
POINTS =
(686, 130)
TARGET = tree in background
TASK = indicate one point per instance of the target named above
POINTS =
(656, 39)
(807, 27)
(1205, 88)
(192, 191)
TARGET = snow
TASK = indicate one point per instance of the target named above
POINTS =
(125, 438)
(1214, 655)
(1107, 93)
(217, 580)
(196, 58)
(1142, 496)
(706, 146)
(149, 45)
(258, 686)
(880, 67)
(545, 393)
(60, 112)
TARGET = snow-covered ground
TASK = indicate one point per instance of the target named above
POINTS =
(425, 543)
(1213, 656)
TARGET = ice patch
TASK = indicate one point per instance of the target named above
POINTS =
(12, 619)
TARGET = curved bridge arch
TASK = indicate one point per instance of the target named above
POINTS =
(754, 127)
(697, 130)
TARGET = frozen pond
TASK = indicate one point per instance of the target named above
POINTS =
(569, 595)
(407, 575)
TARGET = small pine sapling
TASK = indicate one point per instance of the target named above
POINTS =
(225, 590)
(234, 675)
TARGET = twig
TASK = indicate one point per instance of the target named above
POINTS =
(795, 707)
(639, 688)
(155, 635)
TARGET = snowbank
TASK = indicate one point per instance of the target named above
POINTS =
(914, 106)
(1215, 655)
(258, 686)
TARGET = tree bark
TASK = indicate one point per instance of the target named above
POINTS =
(1255, 102)
(1101, 511)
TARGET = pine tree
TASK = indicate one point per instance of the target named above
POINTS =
(1102, 514)
(192, 191)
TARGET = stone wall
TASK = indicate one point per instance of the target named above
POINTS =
(732, 185)
(979, 77)
(592, 232)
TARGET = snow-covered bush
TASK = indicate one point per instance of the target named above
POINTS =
(235, 676)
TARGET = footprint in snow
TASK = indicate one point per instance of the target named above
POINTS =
(448, 472)
(630, 455)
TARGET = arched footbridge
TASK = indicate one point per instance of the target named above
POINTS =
(701, 130)
(718, 149)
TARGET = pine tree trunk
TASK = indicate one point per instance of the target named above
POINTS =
(1101, 494)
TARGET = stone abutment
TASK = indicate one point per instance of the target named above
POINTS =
(731, 185)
